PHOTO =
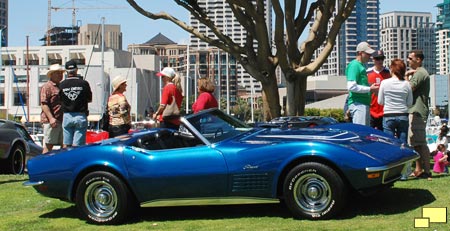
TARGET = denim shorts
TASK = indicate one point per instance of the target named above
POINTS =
(74, 128)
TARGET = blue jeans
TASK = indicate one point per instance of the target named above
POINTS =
(360, 113)
(74, 128)
(396, 126)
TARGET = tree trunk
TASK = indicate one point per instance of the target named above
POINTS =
(296, 96)
(271, 98)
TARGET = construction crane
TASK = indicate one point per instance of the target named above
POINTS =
(74, 19)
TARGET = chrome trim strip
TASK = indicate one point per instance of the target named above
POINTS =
(393, 165)
(33, 183)
(208, 201)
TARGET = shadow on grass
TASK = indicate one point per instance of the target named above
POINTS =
(389, 202)
(392, 201)
(12, 181)
(68, 212)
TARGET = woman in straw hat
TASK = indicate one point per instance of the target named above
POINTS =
(52, 115)
(119, 108)
(172, 90)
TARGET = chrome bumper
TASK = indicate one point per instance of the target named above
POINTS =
(33, 183)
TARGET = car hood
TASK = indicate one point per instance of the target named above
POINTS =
(362, 139)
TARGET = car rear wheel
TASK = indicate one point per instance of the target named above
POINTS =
(103, 198)
(15, 164)
(314, 191)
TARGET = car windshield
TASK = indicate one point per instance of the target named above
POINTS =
(215, 126)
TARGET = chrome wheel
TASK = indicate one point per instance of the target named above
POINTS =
(100, 199)
(312, 193)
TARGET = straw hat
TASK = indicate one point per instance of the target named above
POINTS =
(117, 81)
(54, 68)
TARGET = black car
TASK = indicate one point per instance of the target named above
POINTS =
(16, 145)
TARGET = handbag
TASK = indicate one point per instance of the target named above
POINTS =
(105, 121)
(171, 111)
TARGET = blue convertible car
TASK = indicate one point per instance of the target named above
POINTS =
(218, 158)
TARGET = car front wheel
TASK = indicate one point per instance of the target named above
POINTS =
(103, 198)
(314, 191)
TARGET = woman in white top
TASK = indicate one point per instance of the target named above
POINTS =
(396, 95)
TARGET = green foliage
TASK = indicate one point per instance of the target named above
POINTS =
(338, 114)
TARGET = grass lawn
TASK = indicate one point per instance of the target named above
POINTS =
(22, 208)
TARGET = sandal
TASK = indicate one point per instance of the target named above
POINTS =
(415, 174)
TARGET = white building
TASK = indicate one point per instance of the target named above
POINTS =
(221, 14)
(404, 31)
(143, 89)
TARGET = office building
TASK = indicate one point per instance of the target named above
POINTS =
(4, 22)
(443, 38)
(91, 34)
(227, 72)
(362, 25)
(404, 31)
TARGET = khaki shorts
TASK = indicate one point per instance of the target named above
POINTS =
(416, 130)
(53, 135)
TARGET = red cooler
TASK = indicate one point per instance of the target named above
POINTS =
(94, 136)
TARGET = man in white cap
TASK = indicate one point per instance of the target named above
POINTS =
(52, 115)
(358, 85)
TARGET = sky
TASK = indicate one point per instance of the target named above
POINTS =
(29, 17)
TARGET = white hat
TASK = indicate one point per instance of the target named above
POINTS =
(167, 71)
(54, 68)
(117, 81)
(364, 47)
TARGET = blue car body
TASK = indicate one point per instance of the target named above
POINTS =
(215, 156)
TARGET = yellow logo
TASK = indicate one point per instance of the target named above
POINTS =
(431, 215)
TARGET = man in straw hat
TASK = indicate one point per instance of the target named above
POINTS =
(75, 95)
(51, 115)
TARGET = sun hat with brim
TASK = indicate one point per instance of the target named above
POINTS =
(54, 68)
(364, 47)
(167, 71)
(117, 81)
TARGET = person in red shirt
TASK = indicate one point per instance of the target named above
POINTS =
(376, 74)
(172, 90)
(206, 98)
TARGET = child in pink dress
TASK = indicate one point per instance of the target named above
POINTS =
(440, 159)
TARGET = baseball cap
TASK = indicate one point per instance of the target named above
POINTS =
(71, 65)
(167, 71)
(364, 47)
(379, 54)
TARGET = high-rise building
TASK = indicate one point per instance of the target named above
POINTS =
(443, 38)
(91, 34)
(4, 22)
(227, 72)
(404, 31)
(362, 25)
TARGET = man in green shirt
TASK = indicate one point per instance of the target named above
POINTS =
(358, 86)
(418, 113)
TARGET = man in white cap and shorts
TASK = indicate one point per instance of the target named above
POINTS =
(359, 95)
